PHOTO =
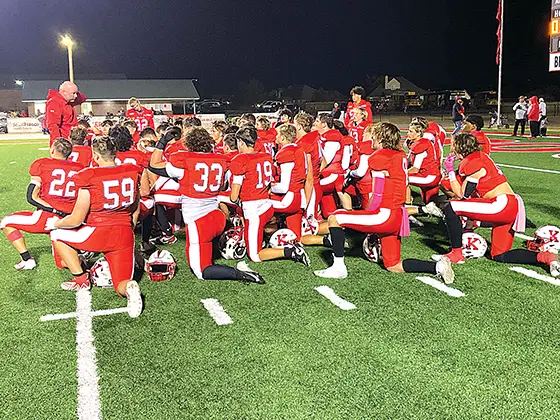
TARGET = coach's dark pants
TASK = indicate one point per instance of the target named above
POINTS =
(534, 126)
(517, 123)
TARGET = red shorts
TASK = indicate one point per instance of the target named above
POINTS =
(115, 242)
(445, 184)
(199, 235)
(28, 221)
(332, 183)
(146, 207)
(501, 211)
(429, 185)
(385, 223)
(257, 214)
(290, 205)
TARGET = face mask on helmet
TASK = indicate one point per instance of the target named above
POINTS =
(100, 274)
(309, 226)
(372, 248)
(161, 266)
(547, 239)
(232, 244)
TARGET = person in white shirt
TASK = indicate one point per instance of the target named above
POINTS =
(520, 109)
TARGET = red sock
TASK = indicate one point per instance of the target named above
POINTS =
(546, 257)
(14, 236)
(82, 278)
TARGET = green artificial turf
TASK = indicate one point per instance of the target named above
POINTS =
(407, 351)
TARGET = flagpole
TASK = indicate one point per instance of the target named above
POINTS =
(501, 41)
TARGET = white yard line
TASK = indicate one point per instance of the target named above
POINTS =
(336, 300)
(524, 237)
(89, 404)
(450, 291)
(548, 171)
(535, 275)
(218, 314)
(69, 315)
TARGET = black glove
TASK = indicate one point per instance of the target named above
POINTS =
(169, 135)
(348, 181)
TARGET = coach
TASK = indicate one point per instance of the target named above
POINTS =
(60, 113)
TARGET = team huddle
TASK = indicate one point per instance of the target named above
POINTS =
(303, 182)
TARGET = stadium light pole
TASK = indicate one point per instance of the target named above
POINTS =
(68, 42)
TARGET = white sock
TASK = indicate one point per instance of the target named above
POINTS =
(339, 262)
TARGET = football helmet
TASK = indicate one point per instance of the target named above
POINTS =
(100, 274)
(309, 226)
(547, 238)
(474, 245)
(232, 244)
(282, 238)
(372, 248)
(236, 221)
(161, 266)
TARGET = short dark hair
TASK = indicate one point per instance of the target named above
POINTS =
(130, 123)
(326, 119)
(287, 112)
(84, 123)
(248, 134)
(197, 139)
(248, 119)
(63, 146)
(339, 125)
(106, 123)
(105, 146)
(192, 122)
(358, 90)
(77, 135)
(264, 122)
(476, 120)
(122, 138)
(148, 131)
(220, 125)
(232, 129)
(230, 140)
(162, 127)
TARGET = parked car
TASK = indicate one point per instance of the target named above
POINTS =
(268, 106)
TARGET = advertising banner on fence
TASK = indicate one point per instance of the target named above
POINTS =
(24, 125)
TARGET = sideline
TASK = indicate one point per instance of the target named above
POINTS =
(548, 171)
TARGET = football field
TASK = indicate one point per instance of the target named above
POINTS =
(391, 346)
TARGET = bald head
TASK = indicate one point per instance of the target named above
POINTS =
(68, 90)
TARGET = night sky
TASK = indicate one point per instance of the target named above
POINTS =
(437, 44)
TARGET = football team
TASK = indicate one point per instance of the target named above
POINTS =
(302, 182)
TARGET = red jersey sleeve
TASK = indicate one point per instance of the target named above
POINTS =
(36, 168)
(237, 165)
(378, 162)
(420, 146)
(176, 159)
(470, 166)
(82, 178)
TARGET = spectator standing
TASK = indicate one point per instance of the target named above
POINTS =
(336, 112)
(520, 109)
(60, 114)
(542, 117)
(357, 93)
(458, 115)
(533, 116)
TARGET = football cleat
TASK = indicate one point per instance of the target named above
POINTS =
(100, 274)
(232, 244)
(81, 282)
(474, 245)
(413, 220)
(454, 257)
(332, 272)
(30, 264)
(555, 269)
(282, 238)
(299, 254)
(164, 240)
(433, 210)
(372, 248)
(134, 299)
(444, 270)
(161, 266)
(249, 275)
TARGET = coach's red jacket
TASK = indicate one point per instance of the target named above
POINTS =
(60, 115)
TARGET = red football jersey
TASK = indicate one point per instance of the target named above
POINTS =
(266, 141)
(81, 154)
(143, 118)
(436, 134)
(113, 193)
(57, 182)
(89, 136)
(172, 148)
(219, 148)
(133, 156)
(332, 139)
(483, 141)
(293, 153)
(349, 115)
(203, 173)
(256, 172)
(393, 162)
(309, 143)
(357, 131)
(424, 150)
(477, 161)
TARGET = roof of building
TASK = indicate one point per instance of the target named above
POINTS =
(406, 86)
(118, 90)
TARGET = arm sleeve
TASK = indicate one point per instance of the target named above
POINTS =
(419, 159)
(329, 151)
(173, 171)
(54, 118)
(30, 200)
(285, 177)
(346, 157)
(237, 169)
(362, 168)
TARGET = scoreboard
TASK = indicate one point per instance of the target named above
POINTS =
(554, 56)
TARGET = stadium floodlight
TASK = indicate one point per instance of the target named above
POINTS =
(67, 41)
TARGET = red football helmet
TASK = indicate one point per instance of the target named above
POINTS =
(161, 266)
(232, 243)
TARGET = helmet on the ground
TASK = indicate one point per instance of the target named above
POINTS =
(372, 248)
(309, 226)
(232, 244)
(161, 266)
(100, 274)
(547, 238)
(282, 238)
(474, 245)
